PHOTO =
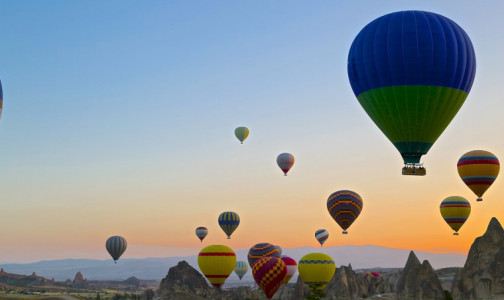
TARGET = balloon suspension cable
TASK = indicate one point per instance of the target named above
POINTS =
(455, 233)
(479, 199)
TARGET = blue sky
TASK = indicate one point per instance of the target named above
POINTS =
(124, 110)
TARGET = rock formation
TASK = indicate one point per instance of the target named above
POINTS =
(418, 281)
(183, 279)
(483, 274)
(79, 281)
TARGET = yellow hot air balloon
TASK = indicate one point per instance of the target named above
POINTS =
(316, 270)
(455, 211)
(216, 262)
(478, 169)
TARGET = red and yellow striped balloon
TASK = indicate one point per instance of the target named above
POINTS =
(216, 262)
(269, 273)
(478, 169)
(455, 210)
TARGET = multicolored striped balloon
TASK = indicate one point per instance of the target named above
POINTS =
(216, 262)
(478, 169)
(116, 245)
(280, 250)
(229, 221)
(241, 133)
(344, 207)
(316, 270)
(411, 72)
(455, 211)
(269, 273)
(241, 268)
(321, 235)
(261, 250)
(285, 161)
(201, 233)
(291, 268)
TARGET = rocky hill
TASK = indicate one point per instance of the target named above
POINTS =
(482, 276)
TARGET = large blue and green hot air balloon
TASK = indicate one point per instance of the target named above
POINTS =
(411, 71)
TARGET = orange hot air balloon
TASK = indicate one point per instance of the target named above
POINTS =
(478, 169)
(216, 262)
(269, 273)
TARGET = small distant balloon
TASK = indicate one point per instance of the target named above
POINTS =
(316, 270)
(344, 207)
(201, 233)
(321, 235)
(478, 169)
(261, 250)
(116, 245)
(241, 133)
(241, 269)
(285, 162)
(216, 262)
(373, 274)
(291, 268)
(229, 221)
(455, 210)
(269, 273)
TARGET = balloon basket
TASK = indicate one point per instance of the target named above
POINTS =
(479, 199)
(455, 233)
(414, 169)
(345, 232)
(229, 238)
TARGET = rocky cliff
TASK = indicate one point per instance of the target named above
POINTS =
(419, 281)
(483, 274)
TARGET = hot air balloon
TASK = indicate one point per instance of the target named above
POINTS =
(374, 274)
(285, 162)
(116, 245)
(241, 133)
(291, 268)
(241, 268)
(201, 233)
(478, 169)
(229, 221)
(269, 273)
(261, 250)
(316, 270)
(321, 235)
(1, 99)
(344, 206)
(411, 72)
(216, 262)
(455, 211)
(279, 250)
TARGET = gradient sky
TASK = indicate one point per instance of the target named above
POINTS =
(119, 116)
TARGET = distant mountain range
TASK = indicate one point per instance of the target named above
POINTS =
(361, 257)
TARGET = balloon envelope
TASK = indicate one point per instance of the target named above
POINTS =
(269, 273)
(478, 169)
(116, 245)
(280, 250)
(411, 72)
(241, 133)
(261, 250)
(291, 268)
(321, 235)
(316, 270)
(455, 210)
(229, 221)
(216, 262)
(285, 161)
(241, 268)
(344, 207)
(201, 232)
